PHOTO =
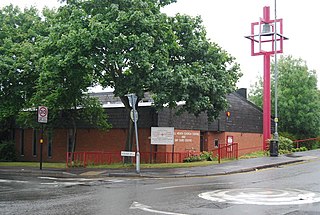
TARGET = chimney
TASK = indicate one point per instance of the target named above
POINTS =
(242, 92)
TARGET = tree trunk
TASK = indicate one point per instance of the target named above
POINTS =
(130, 133)
(73, 139)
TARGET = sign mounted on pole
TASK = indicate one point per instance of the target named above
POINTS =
(42, 114)
(162, 135)
(134, 115)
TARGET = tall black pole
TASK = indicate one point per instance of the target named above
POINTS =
(41, 146)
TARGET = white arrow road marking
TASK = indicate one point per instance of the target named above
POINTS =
(137, 205)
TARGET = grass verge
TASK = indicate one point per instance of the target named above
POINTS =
(33, 164)
(121, 165)
(110, 166)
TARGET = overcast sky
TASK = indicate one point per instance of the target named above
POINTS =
(228, 21)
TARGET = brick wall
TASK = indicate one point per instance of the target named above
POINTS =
(186, 140)
(248, 142)
(114, 141)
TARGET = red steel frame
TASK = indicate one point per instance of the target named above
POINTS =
(266, 38)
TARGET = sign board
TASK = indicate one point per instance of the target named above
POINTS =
(162, 135)
(132, 116)
(229, 140)
(229, 143)
(42, 114)
(132, 99)
(127, 154)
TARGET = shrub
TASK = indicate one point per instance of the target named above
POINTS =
(192, 159)
(303, 148)
(206, 156)
(283, 152)
(7, 151)
(285, 144)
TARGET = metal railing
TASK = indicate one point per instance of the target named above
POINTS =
(83, 159)
(228, 151)
(298, 142)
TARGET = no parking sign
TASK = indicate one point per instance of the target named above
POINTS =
(42, 114)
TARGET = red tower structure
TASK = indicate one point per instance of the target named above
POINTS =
(266, 39)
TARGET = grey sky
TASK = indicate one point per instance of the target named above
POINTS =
(228, 21)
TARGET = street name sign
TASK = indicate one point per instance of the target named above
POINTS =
(127, 154)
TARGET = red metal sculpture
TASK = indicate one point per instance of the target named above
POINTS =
(266, 39)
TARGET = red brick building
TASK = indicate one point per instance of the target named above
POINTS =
(244, 126)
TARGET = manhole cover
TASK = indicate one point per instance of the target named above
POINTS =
(258, 196)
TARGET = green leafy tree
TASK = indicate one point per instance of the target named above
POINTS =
(19, 33)
(66, 72)
(135, 48)
(298, 98)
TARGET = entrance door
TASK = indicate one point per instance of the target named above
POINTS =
(202, 141)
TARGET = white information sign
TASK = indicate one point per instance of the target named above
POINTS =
(42, 114)
(127, 154)
(162, 135)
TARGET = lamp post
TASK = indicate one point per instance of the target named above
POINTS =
(266, 40)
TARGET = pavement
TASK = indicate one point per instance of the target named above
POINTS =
(231, 167)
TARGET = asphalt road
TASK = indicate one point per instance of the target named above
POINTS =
(287, 190)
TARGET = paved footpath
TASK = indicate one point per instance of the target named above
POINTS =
(242, 165)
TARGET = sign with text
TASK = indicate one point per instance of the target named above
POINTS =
(127, 154)
(187, 136)
(42, 114)
(162, 135)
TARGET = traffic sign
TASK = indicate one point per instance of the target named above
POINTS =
(135, 116)
(42, 114)
(132, 99)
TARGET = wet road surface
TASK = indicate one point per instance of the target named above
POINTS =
(288, 190)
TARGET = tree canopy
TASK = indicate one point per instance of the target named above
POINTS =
(298, 98)
(129, 45)
(18, 36)
(136, 49)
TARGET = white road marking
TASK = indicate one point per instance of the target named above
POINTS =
(12, 181)
(259, 196)
(75, 181)
(63, 183)
(190, 185)
(137, 205)
(83, 179)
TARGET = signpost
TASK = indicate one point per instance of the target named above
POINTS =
(134, 116)
(42, 118)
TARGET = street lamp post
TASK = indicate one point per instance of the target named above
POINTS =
(266, 41)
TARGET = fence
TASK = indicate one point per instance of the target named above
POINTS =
(228, 151)
(298, 142)
(98, 158)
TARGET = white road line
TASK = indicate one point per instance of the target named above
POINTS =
(12, 181)
(190, 185)
(137, 205)
(83, 179)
